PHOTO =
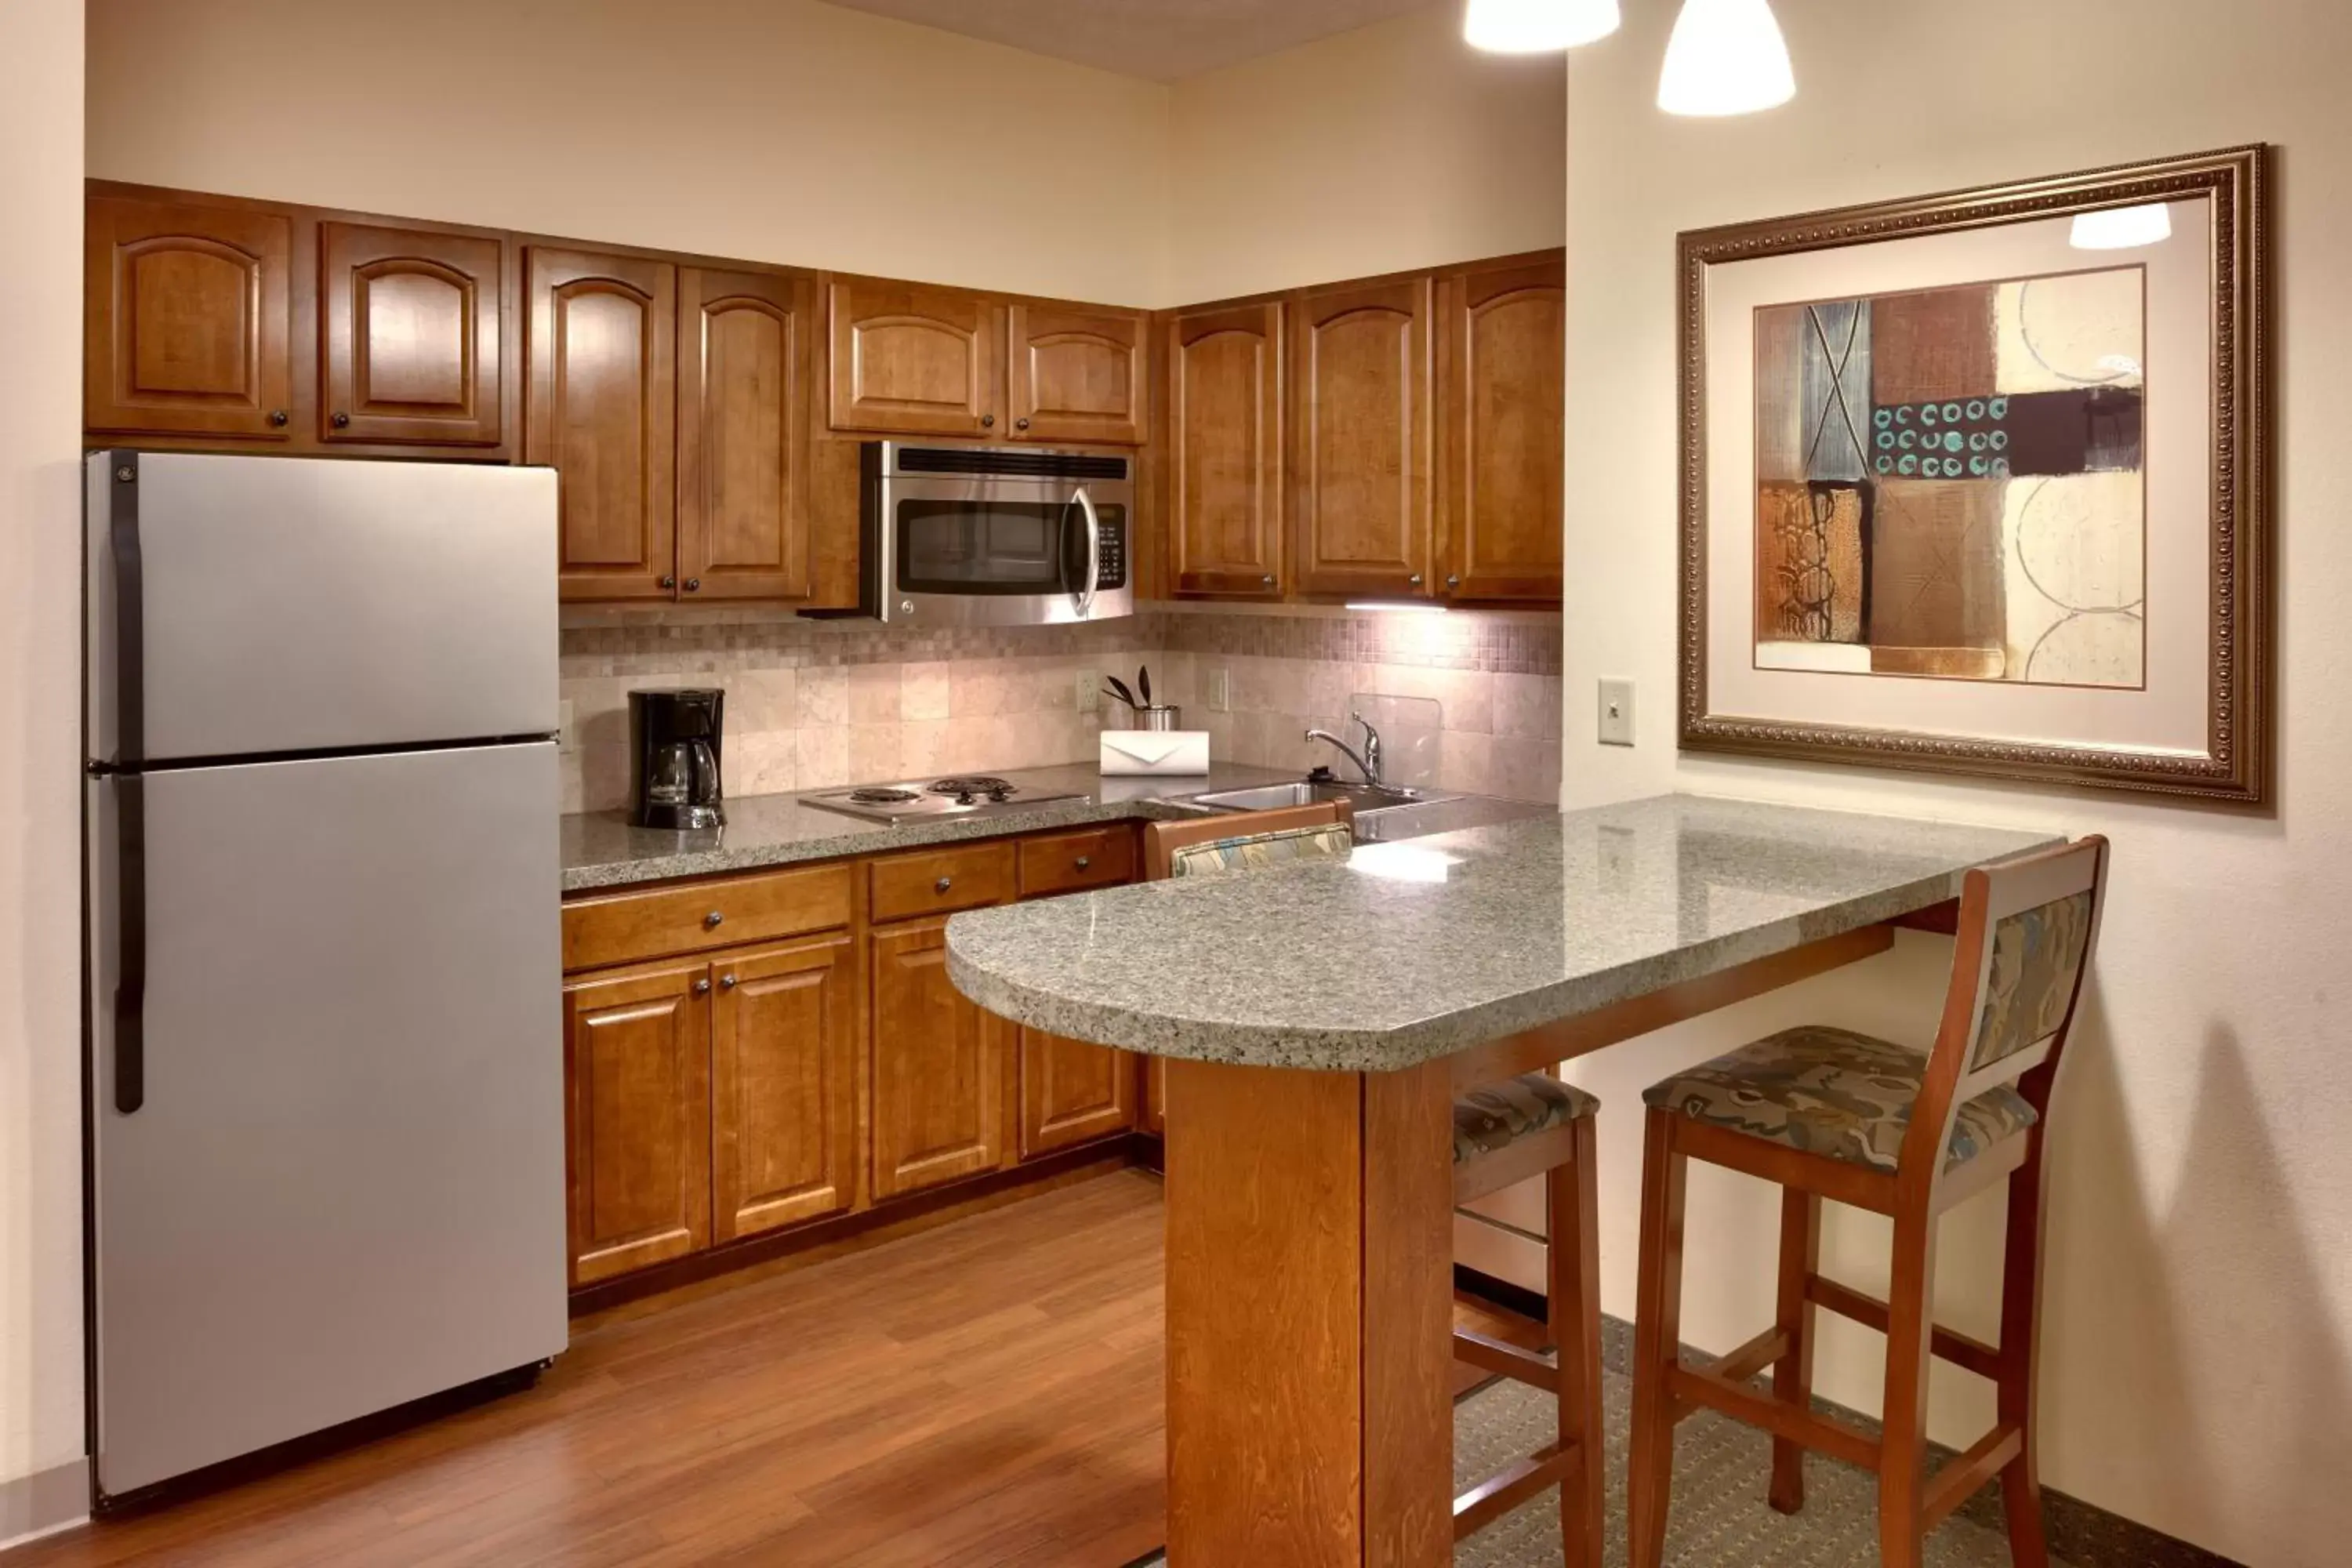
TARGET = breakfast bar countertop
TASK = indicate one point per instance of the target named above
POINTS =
(1408, 952)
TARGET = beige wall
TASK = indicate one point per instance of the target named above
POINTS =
(40, 738)
(781, 131)
(1386, 148)
(2198, 1357)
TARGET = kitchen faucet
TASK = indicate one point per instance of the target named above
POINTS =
(1368, 762)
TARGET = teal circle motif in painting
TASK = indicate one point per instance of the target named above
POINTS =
(1976, 408)
(1885, 464)
(1977, 468)
(2000, 468)
(1951, 414)
(1997, 408)
(1907, 439)
(1910, 465)
(1928, 413)
(2000, 438)
(1976, 441)
(1882, 417)
(1887, 440)
(1953, 440)
(1903, 416)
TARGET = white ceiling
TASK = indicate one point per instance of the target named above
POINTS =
(1160, 40)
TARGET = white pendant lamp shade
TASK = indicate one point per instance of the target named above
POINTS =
(2122, 228)
(1726, 57)
(1536, 26)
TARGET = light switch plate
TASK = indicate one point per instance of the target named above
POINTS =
(1221, 691)
(1089, 691)
(1616, 712)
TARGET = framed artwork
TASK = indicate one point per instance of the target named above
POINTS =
(1979, 483)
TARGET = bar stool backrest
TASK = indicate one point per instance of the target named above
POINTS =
(2026, 932)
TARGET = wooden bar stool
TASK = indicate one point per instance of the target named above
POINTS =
(1504, 1133)
(1831, 1114)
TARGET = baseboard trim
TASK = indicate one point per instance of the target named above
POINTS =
(44, 1503)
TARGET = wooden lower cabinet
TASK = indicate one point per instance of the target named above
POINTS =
(941, 1067)
(1155, 1096)
(1072, 1091)
(784, 1084)
(638, 1086)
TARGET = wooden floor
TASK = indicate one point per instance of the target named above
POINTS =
(986, 1393)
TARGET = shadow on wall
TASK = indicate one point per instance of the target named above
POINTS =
(2234, 1267)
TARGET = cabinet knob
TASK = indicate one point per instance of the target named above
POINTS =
(987, 420)
(1267, 579)
(1085, 861)
(340, 420)
(1021, 424)
(1416, 580)
(702, 987)
(944, 884)
(669, 582)
(1452, 581)
(727, 983)
(278, 416)
(693, 583)
(713, 919)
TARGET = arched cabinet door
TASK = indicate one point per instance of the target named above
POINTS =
(1224, 457)
(1076, 375)
(185, 324)
(1361, 461)
(601, 410)
(915, 361)
(1505, 387)
(409, 343)
(744, 478)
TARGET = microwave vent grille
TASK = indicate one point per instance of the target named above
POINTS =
(994, 460)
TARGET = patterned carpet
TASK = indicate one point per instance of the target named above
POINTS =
(1720, 1519)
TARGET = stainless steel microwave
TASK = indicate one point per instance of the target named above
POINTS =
(994, 536)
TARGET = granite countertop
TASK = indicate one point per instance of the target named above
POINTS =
(1407, 952)
(602, 849)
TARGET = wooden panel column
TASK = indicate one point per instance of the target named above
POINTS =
(1309, 1302)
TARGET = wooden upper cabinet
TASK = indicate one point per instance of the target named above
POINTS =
(602, 410)
(186, 319)
(636, 1073)
(784, 1066)
(743, 476)
(1362, 519)
(409, 346)
(1078, 375)
(941, 1067)
(1502, 406)
(1072, 1091)
(1224, 451)
(908, 359)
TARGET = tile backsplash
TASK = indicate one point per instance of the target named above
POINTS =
(819, 704)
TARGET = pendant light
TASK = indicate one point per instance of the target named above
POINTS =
(1726, 57)
(2122, 228)
(1536, 26)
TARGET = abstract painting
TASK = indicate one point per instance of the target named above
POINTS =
(1949, 483)
(1979, 483)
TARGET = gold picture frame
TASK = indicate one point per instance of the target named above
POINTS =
(1809, 716)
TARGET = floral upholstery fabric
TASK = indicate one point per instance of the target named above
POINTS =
(2037, 954)
(1250, 851)
(1833, 1092)
(1495, 1115)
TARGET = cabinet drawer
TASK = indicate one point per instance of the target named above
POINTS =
(719, 914)
(934, 881)
(1071, 862)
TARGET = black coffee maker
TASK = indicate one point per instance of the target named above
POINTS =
(675, 738)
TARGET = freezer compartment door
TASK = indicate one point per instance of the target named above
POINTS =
(341, 1187)
(253, 606)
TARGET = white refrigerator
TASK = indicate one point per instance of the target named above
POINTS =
(325, 1082)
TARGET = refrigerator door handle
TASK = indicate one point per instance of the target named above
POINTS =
(130, 977)
(129, 620)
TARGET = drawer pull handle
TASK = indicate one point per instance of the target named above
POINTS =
(1085, 861)
(727, 983)
(713, 920)
(702, 987)
(944, 884)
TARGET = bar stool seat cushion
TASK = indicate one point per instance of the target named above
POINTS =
(1249, 852)
(1495, 1115)
(1835, 1092)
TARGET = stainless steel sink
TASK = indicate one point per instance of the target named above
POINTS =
(1365, 800)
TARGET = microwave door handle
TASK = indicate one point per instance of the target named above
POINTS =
(1094, 551)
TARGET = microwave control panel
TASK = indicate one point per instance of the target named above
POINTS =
(1113, 539)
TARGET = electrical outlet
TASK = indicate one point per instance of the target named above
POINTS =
(1616, 712)
(1221, 691)
(1089, 691)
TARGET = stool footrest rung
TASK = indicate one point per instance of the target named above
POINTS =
(1839, 1440)
(1962, 1350)
(1511, 1361)
(1958, 1481)
(1500, 1493)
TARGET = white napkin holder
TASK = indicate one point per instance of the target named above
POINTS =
(1154, 752)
